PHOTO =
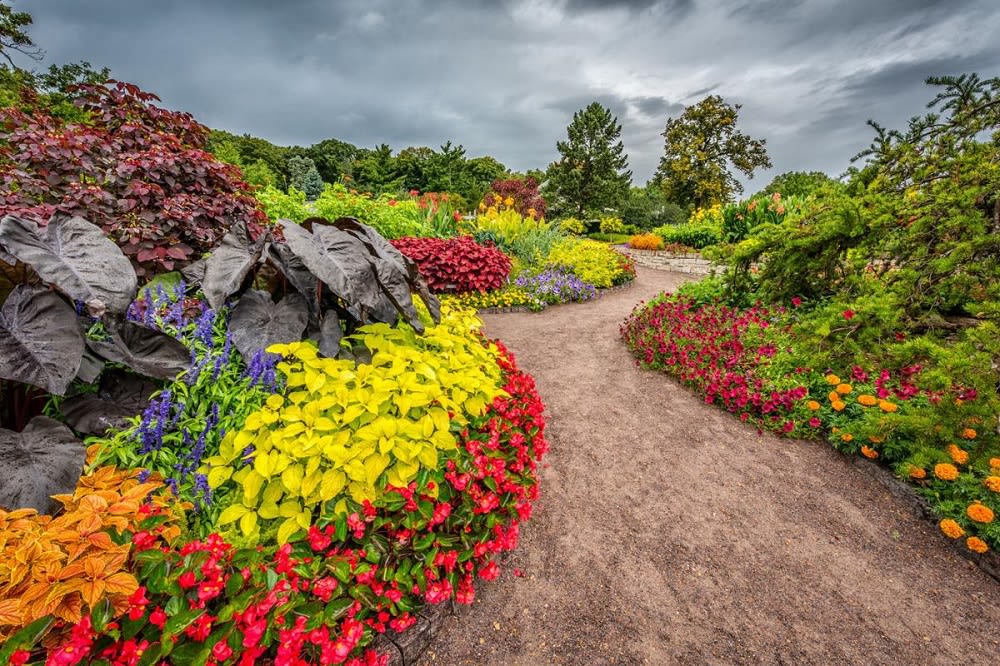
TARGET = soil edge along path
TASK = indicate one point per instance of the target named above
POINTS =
(670, 533)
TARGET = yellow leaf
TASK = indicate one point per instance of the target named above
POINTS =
(289, 508)
(310, 483)
(253, 421)
(252, 485)
(292, 478)
(232, 513)
(304, 519)
(243, 439)
(248, 523)
(428, 457)
(275, 401)
(263, 464)
(374, 466)
(315, 381)
(285, 531)
(219, 475)
(274, 491)
(268, 511)
(332, 484)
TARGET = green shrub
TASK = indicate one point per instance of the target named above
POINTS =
(571, 225)
(612, 225)
(528, 239)
(614, 239)
(592, 261)
(697, 236)
(391, 218)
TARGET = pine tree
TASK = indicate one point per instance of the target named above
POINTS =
(592, 174)
(303, 176)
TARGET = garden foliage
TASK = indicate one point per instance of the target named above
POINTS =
(456, 264)
(593, 262)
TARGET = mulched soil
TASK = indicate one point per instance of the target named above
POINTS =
(670, 533)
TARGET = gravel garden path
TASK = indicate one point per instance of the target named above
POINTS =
(670, 533)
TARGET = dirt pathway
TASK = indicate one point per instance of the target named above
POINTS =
(670, 533)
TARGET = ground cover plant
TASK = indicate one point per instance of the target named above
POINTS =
(865, 314)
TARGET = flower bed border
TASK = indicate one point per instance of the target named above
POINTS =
(988, 562)
(524, 308)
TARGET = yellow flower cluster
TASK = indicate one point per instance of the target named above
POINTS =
(500, 298)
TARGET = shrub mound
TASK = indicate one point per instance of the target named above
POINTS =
(592, 261)
(647, 241)
(457, 265)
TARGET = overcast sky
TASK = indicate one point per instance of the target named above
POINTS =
(504, 78)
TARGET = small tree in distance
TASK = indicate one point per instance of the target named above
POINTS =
(592, 173)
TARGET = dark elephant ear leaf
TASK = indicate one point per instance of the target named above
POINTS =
(229, 264)
(296, 273)
(40, 341)
(148, 352)
(398, 273)
(75, 256)
(330, 334)
(121, 396)
(258, 322)
(194, 272)
(7, 258)
(42, 460)
(90, 367)
(337, 259)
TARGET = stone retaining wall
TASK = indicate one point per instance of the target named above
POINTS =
(669, 261)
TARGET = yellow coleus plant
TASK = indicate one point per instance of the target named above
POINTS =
(66, 565)
(346, 430)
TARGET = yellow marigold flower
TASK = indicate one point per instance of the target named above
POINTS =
(946, 471)
(951, 529)
(834, 396)
(980, 513)
(839, 406)
(833, 380)
(867, 400)
(844, 389)
(887, 406)
(918, 473)
(869, 452)
(976, 545)
(847, 437)
(957, 454)
(993, 483)
(812, 405)
(968, 433)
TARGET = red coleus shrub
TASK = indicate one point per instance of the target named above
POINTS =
(457, 264)
(138, 171)
(705, 348)
(324, 596)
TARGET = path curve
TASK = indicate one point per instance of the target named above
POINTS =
(670, 533)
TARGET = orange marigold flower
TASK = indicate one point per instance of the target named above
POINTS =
(980, 513)
(957, 454)
(875, 439)
(946, 471)
(833, 380)
(812, 405)
(968, 433)
(918, 473)
(887, 406)
(844, 389)
(839, 406)
(994, 462)
(976, 545)
(869, 452)
(847, 437)
(868, 400)
(993, 483)
(833, 396)
(951, 529)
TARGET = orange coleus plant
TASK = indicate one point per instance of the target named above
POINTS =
(66, 565)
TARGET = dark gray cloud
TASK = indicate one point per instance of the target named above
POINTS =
(504, 77)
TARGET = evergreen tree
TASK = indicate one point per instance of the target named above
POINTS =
(592, 175)
(303, 176)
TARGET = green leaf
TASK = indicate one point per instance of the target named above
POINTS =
(101, 614)
(181, 621)
(26, 638)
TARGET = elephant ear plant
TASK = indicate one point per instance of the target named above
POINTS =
(330, 278)
(78, 281)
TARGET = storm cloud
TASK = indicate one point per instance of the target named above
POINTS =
(504, 77)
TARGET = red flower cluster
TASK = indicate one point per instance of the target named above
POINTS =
(456, 264)
(704, 347)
